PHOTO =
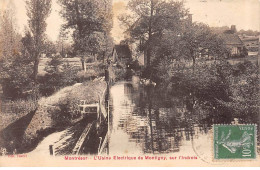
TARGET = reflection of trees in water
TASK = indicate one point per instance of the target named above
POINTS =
(160, 122)
(158, 129)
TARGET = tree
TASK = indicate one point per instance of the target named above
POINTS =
(60, 43)
(91, 21)
(37, 12)
(198, 40)
(48, 48)
(150, 18)
(16, 80)
(15, 69)
(27, 45)
(249, 32)
(10, 43)
(59, 74)
(195, 40)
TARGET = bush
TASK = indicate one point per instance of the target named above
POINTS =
(90, 74)
(59, 111)
(16, 77)
(118, 73)
(57, 76)
(93, 71)
(221, 89)
(61, 115)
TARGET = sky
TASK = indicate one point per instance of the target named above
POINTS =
(54, 21)
(245, 14)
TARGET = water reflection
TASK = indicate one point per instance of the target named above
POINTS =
(142, 125)
(143, 122)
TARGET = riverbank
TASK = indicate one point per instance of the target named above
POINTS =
(146, 124)
(54, 113)
(12, 111)
(63, 142)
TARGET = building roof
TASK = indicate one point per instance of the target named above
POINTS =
(123, 51)
(231, 39)
(250, 39)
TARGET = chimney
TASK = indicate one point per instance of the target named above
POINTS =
(233, 29)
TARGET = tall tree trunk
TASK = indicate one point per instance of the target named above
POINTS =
(193, 61)
(35, 68)
(82, 62)
(193, 88)
(148, 55)
(150, 117)
(80, 32)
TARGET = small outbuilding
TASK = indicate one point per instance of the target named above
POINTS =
(122, 54)
(233, 42)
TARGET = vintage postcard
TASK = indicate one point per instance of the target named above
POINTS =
(139, 83)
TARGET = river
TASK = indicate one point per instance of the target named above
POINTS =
(143, 123)
(134, 129)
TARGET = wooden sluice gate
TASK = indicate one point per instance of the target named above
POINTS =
(95, 132)
(85, 136)
(98, 130)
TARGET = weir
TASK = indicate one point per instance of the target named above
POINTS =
(98, 130)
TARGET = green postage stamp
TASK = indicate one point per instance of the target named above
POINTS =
(234, 141)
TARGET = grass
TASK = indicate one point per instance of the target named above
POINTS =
(57, 112)
(54, 113)
(72, 61)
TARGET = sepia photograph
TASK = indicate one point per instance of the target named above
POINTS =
(129, 83)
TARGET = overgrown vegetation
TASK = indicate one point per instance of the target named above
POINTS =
(188, 59)
(54, 113)
(221, 89)
(59, 75)
(184, 59)
(91, 22)
(24, 89)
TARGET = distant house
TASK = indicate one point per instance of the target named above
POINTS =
(121, 54)
(233, 42)
(251, 43)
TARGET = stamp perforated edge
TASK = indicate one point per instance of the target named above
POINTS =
(233, 159)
